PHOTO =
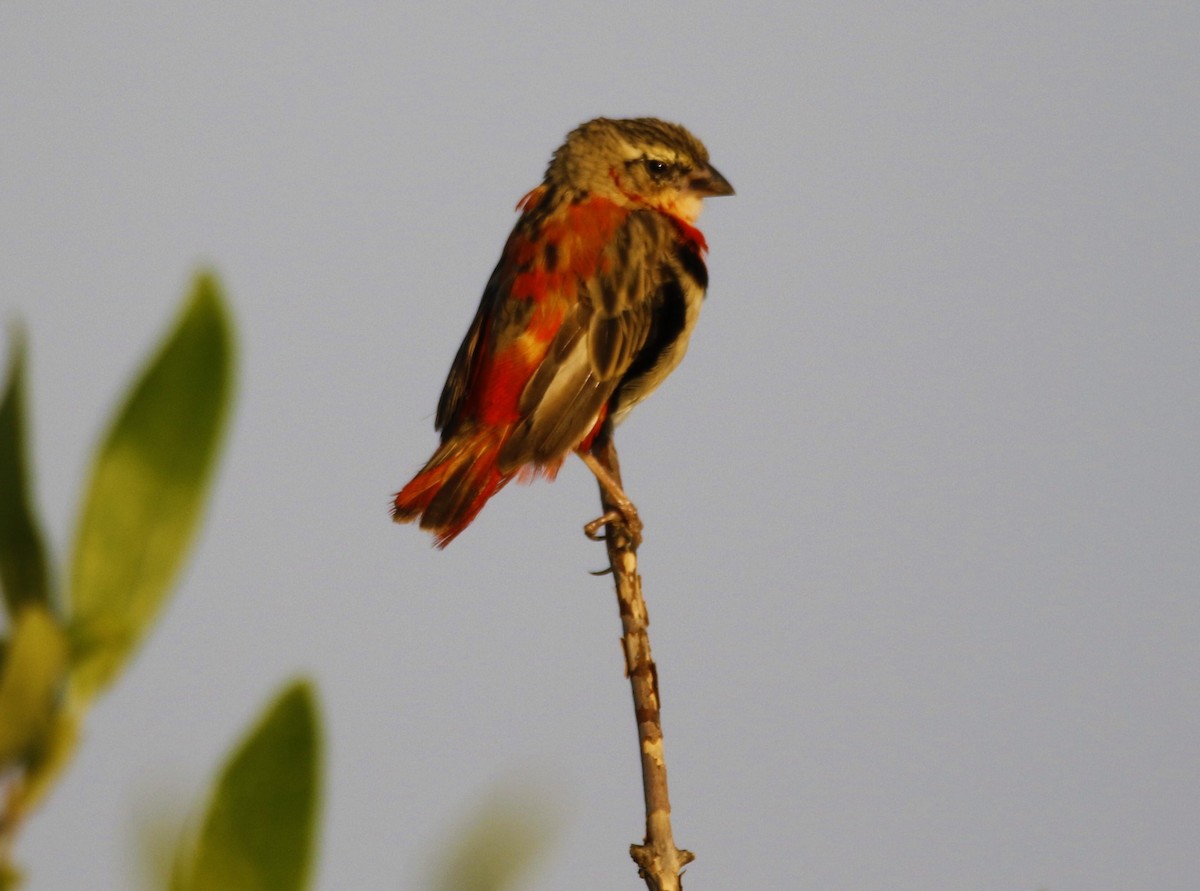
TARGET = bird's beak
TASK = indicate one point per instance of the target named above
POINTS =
(707, 181)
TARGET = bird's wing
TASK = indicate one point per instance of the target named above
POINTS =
(498, 319)
(599, 338)
(470, 371)
(458, 380)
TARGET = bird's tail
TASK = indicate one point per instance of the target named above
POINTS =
(455, 484)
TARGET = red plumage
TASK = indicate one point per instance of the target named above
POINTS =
(589, 307)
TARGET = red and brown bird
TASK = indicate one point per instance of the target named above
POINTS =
(589, 309)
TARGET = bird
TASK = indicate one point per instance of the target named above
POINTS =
(588, 309)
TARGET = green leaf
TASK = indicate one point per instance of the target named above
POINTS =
(35, 668)
(23, 573)
(147, 491)
(258, 834)
(10, 878)
(498, 846)
(37, 726)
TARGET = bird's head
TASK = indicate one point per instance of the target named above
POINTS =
(638, 162)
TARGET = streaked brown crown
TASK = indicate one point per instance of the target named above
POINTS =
(636, 160)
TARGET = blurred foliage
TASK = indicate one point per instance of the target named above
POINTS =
(148, 486)
(258, 833)
(500, 843)
(34, 666)
(22, 555)
(149, 483)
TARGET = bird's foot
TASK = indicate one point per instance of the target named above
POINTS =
(621, 516)
(623, 520)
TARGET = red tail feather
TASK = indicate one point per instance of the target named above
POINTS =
(455, 485)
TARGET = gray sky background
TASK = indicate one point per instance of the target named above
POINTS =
(922, 505)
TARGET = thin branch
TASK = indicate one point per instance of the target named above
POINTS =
(659, 862)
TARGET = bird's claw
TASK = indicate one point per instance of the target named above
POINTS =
(592, 529)
(628, 523)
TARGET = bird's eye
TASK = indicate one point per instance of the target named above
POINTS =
(658, 169)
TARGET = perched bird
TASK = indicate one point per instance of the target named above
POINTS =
(588, 310)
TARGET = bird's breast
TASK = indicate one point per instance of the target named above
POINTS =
(676, 311)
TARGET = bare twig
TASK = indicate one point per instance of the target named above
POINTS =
(659, 861)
